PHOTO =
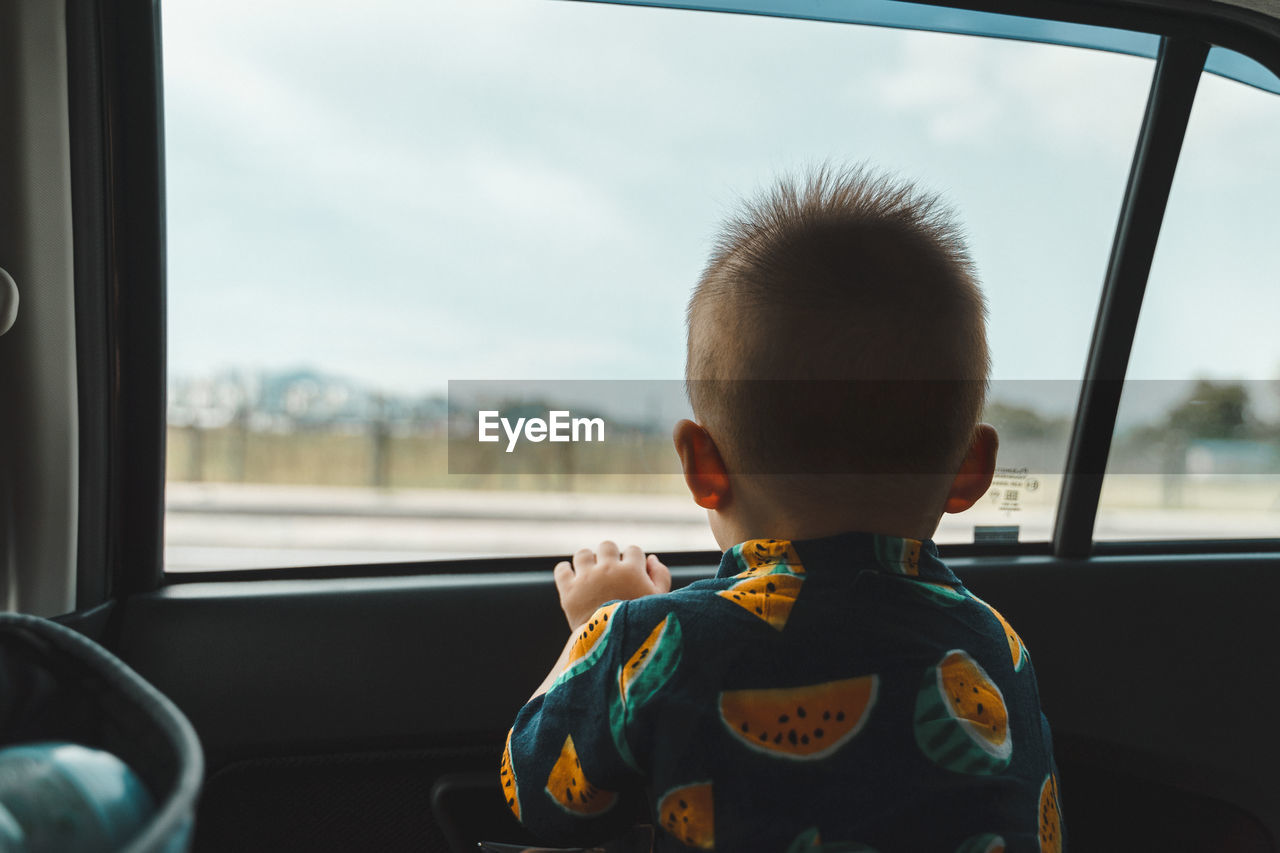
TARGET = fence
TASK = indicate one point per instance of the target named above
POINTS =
(380, 458)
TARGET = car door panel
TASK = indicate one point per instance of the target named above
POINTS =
(314, 691)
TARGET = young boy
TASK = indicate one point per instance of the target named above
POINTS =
(835, 686)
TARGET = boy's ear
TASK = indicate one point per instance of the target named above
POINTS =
(979, 466)
(704, 471)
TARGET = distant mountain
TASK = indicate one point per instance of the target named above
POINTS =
(296, 398)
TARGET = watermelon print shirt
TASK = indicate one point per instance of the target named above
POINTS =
(845, 693)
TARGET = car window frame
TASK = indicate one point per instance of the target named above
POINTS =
(118, 184)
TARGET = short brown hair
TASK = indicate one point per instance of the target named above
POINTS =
(838, 328)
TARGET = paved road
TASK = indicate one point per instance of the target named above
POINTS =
(226, 526)
(232, 526)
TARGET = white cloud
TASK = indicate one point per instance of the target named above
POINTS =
(446, 186)
(971, 89)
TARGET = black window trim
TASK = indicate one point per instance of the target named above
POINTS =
(132, 283)
(1173, 91)
(88, 187)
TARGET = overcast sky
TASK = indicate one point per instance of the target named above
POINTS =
(407, 193)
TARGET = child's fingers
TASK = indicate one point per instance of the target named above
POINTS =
(658, 573)
(607, 551)
(633, 557)
(563, 574)
(583, 558)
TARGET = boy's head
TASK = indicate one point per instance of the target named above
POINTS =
(837, 355)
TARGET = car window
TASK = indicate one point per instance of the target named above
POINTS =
(365, 203)
(1196, 452)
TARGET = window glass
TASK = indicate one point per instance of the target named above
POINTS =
(366, 202)
(1196, 451)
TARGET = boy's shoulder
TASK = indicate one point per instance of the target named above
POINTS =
(698, 594)
(742, 600)
(691, 600)
(941, 615)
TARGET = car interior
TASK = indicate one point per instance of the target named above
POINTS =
(362, 703)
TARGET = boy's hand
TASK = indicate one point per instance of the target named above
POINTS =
(603, 575)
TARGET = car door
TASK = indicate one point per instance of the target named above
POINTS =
(354, 693)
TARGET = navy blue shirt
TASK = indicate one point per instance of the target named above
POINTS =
(845, 692)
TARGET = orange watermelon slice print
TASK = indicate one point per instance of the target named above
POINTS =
(800, 723)
(508, 777)
(766, 556)
(652, 664)
(644, 674)
(767, 597)
(961, 721)
(1017, 650)
(1050, 816)
(570, 788)
(687, 814)
(589, 645)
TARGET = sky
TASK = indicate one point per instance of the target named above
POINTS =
(410, 193)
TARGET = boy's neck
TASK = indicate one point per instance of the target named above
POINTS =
(763, 507)
(730, 530)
